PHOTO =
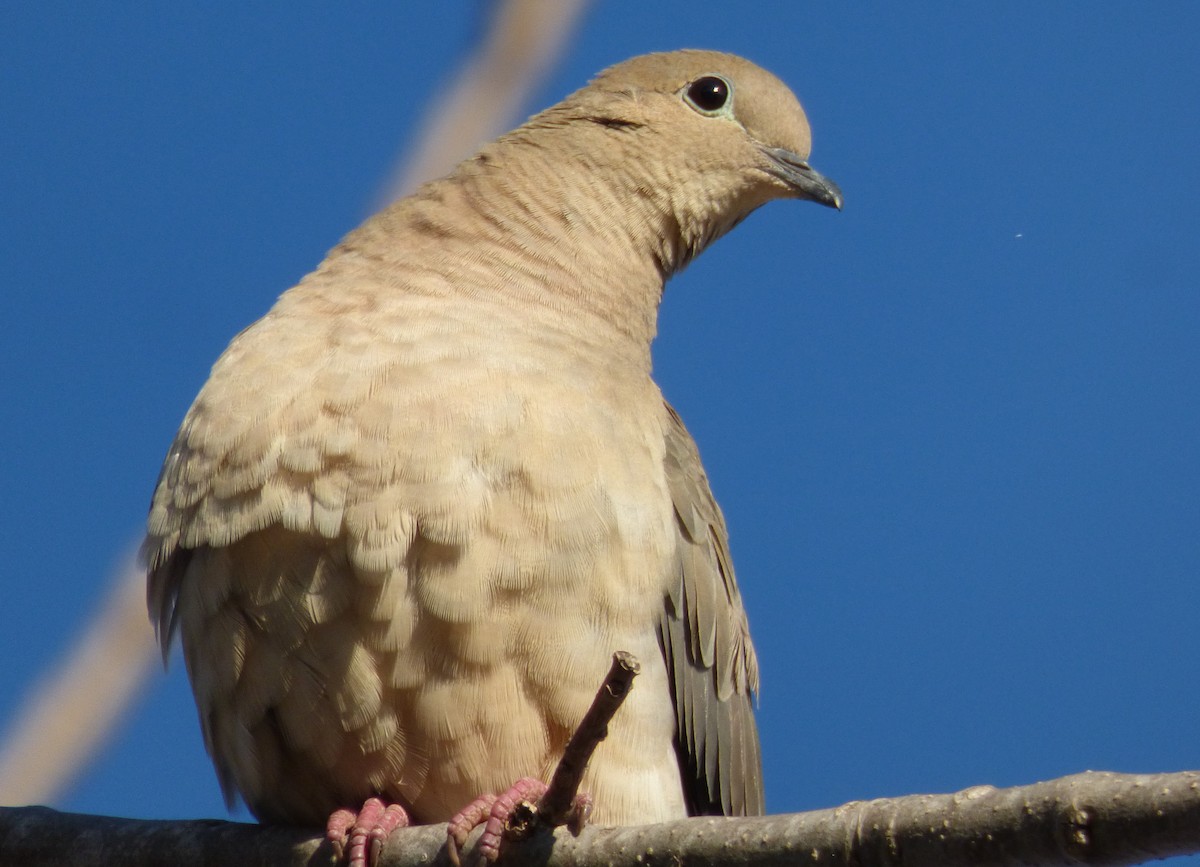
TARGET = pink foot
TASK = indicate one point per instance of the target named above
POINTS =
(524, 789)
(494, 812)
(360, 836)
(463, 822)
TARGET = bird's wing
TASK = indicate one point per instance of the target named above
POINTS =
(706, 642)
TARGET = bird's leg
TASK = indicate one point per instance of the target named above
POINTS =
(497, 812)
(360, 836)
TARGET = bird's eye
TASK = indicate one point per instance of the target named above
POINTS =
(709, 94)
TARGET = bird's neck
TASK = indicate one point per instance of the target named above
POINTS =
(508, 228)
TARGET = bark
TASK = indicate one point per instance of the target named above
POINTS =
(1091, 818)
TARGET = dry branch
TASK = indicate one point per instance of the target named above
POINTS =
(1098, 819)
(559, 801)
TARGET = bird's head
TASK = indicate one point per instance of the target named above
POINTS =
(726, 114)
(708, 136)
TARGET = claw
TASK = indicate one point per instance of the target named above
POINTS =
(524, 789)
(463, 822)
(497, 813)
(360, 836)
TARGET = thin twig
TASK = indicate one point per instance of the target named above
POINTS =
(564, 785)
(560, 804)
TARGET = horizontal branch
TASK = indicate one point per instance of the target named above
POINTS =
(1099, 819)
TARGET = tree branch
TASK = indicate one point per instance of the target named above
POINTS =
(1098, 819)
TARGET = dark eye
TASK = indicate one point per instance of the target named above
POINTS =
(709, 93)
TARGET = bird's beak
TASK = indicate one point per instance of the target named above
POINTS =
(797, 174)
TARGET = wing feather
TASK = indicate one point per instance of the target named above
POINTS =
(705, 639)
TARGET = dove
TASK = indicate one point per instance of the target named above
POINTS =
(418, 505)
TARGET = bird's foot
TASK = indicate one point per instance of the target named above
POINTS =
(496, 812)
(360, 836)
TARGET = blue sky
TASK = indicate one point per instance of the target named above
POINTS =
(953, 429)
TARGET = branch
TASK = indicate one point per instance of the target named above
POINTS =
(1099, 819)
(525, 38)
(75, 708)
(559, 801)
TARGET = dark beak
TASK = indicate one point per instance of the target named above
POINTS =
(798, 175)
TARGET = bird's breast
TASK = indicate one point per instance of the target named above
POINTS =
(539, 532)
(481, 514)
